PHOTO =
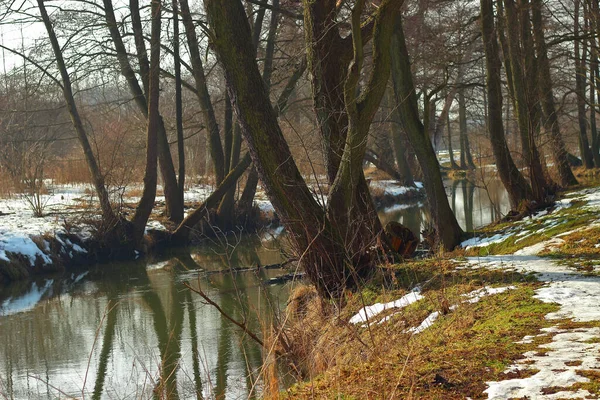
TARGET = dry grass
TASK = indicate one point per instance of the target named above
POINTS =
(452, 359)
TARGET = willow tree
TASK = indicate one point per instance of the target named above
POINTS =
(129, 234)
(523, 64)
(140, 93)
(108, 214)
(322, 250)
(515, 183)
(446, 226)
(546, 96)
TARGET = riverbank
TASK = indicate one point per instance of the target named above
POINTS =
(515, 313)
(64, 237)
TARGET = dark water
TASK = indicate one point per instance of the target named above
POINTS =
(121, 331)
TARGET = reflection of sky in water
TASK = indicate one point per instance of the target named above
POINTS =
(55, 332)
(473, 206)
(60, 340)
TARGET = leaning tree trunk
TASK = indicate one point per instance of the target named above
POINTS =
(321, 251)
(108, 215)
(208, 112)
(517, 187)
(447, 229)
(551, 126)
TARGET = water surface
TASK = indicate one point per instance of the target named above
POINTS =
(123, 330)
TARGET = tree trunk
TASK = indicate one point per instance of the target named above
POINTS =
(594, 77)
(584, 147)
(447, 229)
(178, 101)
(399, 143)
(551, 126)
(328, 57)
(453, 164)
(171, 189)
(312, 236)
(146, 204)
(181, 234)
(208, 113)
(108, 215)
(517, 187)
(381, 164)
(524, 87)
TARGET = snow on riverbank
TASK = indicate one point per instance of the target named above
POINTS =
(18, 224)
(569, 355)
(559, 363)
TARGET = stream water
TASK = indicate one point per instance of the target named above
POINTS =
(122, 330)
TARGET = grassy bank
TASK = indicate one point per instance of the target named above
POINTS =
(402, 352)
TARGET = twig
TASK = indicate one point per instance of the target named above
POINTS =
(241, 325)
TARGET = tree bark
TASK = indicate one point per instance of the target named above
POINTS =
(453, 164)
(208, 113)
(172, 195)
(448, 231)
(328, 57)
(584, 147)
(551, 125)
(321, 252)
(108, 214)
(178, 101)
(146, 204)
(521, 57)
(182, 232)
(517, 187)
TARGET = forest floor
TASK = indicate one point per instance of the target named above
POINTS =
(514, 314)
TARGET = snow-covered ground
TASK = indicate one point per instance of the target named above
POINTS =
(18, 224)
(560, 363)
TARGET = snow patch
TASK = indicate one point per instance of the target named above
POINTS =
(367, 313)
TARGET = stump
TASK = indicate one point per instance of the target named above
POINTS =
(401, 239)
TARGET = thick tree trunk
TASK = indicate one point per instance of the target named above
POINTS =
(517, 187)
(328, 57)
(521, 57)
(322, 252)
(447, 229)
(551, 126)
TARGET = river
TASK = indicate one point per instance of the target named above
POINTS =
(123, 330)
